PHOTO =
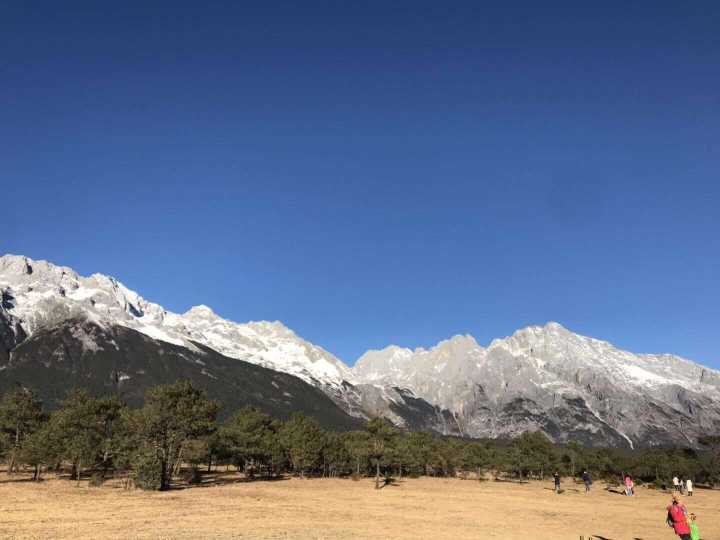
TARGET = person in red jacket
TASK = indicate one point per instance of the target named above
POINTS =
(677, 517)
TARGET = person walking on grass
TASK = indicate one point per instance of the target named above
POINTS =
(677, 518)
(586, 480)
(556, 477)
(689, 487)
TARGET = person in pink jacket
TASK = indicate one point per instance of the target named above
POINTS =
(629, 486)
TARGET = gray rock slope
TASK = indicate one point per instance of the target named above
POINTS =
(545, 378)
(551, 379)
(38, 297)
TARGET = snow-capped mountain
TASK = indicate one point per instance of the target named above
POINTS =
(37, 294)
(546, 377)
(540, 378)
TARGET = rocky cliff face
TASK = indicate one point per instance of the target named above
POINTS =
(41, 297)
(570, 386)
(540, 378)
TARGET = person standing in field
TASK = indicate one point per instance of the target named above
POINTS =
(689, 487)
(677, 518)
(556, 477)
(629, 486)
(676, 483)
(694, 531)
(586, 480)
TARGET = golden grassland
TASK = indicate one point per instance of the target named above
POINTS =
(435, 508)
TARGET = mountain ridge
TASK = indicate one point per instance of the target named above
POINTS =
(539, 377)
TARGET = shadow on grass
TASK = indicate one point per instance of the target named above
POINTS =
(511, 481)
(26, 480)
(388, 481)
(226, 479)
(601, 537)
(562, 490)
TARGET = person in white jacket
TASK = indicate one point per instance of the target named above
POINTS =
(689, 487)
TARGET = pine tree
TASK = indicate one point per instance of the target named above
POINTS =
(84, 425)
(173, 415)
(250, 437)
(573, 451)
(475, 457)
(41, 447)
(303, 441)
(21, 414)
(382, 433)
(335, 455)
(357, 444)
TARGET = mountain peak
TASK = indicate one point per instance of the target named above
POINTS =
(201, 311)
(589, 381)
(40, 294)
(20, 267)
(458, 340)
(555, 326)
(12, 258)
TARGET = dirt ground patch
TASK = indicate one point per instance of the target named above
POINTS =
(429, 508)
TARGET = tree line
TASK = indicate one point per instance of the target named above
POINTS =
(176, 436)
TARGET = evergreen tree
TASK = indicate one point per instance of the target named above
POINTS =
(711, 462)
(173, 415)
(421, 448)
(572, 454)
(303, 440)
(475, 457)
(381, 433)
(40, 448)
(250, 437)
(177, 424)
(535, 453)
(84, 425)
(336, 456)
(357, 444)
(21, 414)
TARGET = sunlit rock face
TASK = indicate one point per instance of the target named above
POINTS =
(544, 378)
(38, 297)
(567, 385)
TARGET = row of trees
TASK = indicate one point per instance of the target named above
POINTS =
(178, 426)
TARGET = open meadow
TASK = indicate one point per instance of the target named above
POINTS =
(436, 508)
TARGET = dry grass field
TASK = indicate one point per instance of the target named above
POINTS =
(439, 509)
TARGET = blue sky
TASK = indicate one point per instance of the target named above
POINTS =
(376, 172)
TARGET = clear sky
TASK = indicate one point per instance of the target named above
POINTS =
(377, 172)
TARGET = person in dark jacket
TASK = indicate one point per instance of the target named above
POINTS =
(556, 477)
(587, 481)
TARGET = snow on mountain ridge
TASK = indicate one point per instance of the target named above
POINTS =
(43, 294)
(540, 377)
(551, 342)
(545, 366)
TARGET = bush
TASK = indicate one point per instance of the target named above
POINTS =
(147, 472)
